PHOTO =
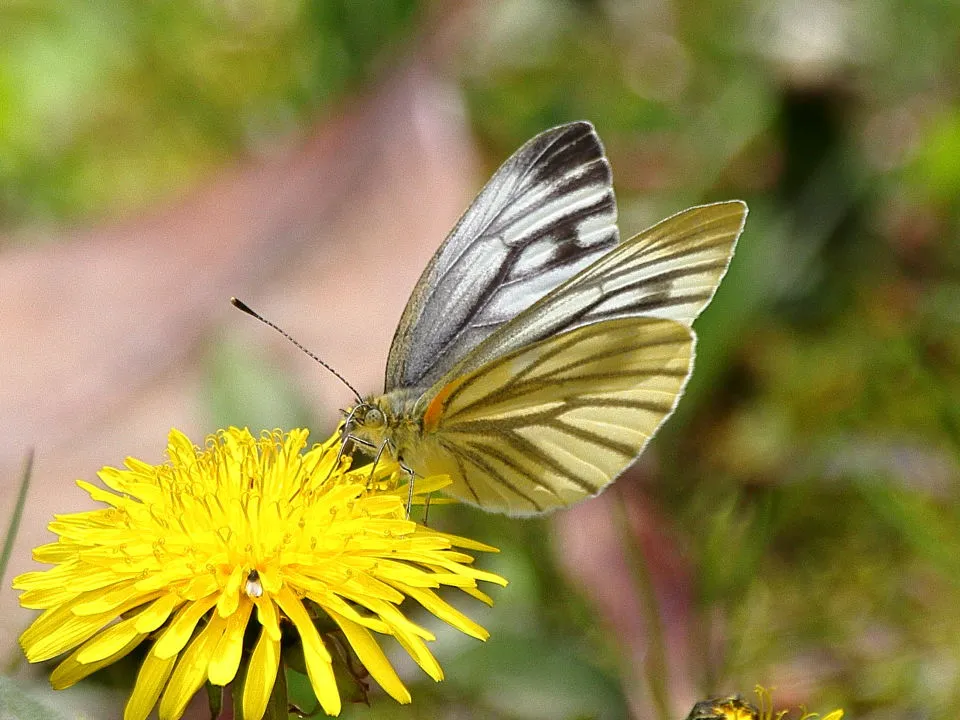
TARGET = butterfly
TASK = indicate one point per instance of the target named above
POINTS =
(538, 354)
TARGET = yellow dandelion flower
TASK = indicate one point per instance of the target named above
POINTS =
(767, 711)
(734, 707)
(188, 553)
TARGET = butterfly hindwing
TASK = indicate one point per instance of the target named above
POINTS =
(556, 421)
(546, 214)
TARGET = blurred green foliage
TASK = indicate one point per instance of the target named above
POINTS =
(106, 104)
(811, 470)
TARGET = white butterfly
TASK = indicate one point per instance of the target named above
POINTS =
(538, 354)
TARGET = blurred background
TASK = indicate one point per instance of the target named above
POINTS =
(797, 522)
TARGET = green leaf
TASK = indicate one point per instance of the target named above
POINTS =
(300, 693)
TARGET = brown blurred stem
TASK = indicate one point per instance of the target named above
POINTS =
(655, 664)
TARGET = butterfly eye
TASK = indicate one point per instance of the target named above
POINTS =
(374, 418)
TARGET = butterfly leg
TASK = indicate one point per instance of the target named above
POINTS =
(343, 449)
(340, 452)
(376, 461)
(346, 437)
(410, 477)
(426, 508)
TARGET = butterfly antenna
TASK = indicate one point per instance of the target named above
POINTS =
(240, 305)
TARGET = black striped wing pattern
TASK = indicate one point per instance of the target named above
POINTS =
(547, 213)
(670, 270)
(555, 421)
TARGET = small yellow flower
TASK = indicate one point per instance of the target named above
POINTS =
(735, 707)
(768, 713)
(189, 552)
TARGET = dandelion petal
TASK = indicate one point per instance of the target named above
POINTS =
(317, 657)
(261, 676)
(373, 658)
(151, 679)
(226, 656)
(191, 671)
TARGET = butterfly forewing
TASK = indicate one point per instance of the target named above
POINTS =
(556, 421)
(670, 271)
(546, 214)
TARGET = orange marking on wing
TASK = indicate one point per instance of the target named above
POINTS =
(435, 409)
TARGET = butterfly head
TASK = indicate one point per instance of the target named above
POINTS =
(383, 419)
(369, 422)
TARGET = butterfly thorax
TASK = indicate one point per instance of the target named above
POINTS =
(392, 419)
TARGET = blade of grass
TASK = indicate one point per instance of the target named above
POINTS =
(17, 514)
